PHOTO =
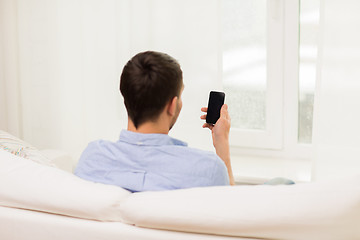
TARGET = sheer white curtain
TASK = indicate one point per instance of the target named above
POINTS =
(337, 107)
(61, 62)
(10, 112)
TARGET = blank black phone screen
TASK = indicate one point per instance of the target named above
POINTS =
(216, 100)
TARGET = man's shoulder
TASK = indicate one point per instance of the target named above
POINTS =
(95, 155)
(99, 149)
(97, 145)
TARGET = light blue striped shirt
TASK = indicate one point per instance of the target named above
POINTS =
(150, 162)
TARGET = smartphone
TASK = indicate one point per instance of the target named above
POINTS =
(216, 100)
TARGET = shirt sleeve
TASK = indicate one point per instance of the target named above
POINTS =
(220, 174)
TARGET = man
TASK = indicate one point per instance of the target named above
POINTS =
(145, 158)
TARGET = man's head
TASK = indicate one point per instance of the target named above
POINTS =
(150, 81)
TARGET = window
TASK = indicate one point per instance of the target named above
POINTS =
(252, 65)
(269, 50)
(244, 61)
(309, 24)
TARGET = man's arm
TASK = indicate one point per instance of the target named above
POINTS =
(220, 135)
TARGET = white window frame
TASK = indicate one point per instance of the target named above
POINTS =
(280, 138)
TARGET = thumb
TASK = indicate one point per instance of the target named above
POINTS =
(224, 111)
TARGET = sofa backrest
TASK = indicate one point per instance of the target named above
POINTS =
(324, 210)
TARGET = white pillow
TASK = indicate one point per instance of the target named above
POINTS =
(29, 185)
(328, 210)
(23, 149)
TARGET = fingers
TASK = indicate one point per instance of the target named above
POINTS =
(203, 109)
(209, 126)
(223, 113)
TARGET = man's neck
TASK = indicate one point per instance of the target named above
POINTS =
(148, 127)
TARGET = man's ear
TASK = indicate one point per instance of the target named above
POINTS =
(171, 109)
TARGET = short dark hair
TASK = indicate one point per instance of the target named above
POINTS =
(148, 82)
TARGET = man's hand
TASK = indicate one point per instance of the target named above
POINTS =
(220, 131)
(220, 135)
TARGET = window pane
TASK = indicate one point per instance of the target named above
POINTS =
(244, 61)
(309, 24)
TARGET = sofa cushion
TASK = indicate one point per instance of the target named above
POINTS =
(30, 185)
(324, 210)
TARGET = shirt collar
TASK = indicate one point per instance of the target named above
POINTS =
(149, 139)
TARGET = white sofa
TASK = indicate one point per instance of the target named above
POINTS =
(38, 201)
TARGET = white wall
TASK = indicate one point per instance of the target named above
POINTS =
(337, 113)
(71, 53)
